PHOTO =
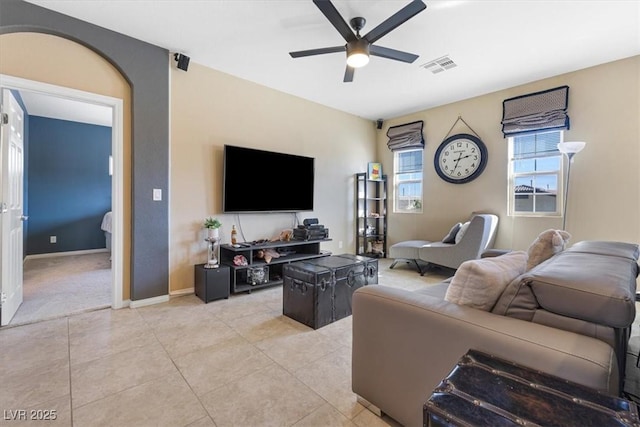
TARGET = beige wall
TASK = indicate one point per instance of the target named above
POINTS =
(604, 199)
(210, 109)
(46, 58)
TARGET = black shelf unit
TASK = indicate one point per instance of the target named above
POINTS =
(371, 216)
(295, 250)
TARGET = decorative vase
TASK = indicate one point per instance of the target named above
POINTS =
(213, 233)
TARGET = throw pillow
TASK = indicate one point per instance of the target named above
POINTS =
(451, 236)
(479, 283)
(462, 231)
(547, 244)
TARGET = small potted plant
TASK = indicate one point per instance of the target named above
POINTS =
(213, 227)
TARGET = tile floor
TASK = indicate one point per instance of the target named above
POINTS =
(235, 362)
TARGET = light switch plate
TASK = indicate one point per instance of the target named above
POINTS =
(157, 194)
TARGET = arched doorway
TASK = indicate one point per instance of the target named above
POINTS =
(103, 75)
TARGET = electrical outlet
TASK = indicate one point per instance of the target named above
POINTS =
(340, 244)
(53, 239)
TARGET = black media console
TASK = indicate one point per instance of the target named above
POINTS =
(260, 274)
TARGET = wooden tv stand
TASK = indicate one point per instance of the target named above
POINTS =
(297, 250)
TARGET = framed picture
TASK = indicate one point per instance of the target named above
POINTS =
(374, 171)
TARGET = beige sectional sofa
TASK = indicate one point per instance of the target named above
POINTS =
(569, 316)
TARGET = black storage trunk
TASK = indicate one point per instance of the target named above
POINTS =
(370, 267)
(319, 291)
(483, 390)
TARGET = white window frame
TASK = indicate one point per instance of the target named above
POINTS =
(396, 183)
(512, 176)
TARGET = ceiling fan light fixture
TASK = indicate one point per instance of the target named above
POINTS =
(358, 53)
(357, 60)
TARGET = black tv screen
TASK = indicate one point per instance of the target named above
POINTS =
(266, 181)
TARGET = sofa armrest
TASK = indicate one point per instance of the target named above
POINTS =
(405, 343)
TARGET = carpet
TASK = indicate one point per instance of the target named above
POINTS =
(59, 286)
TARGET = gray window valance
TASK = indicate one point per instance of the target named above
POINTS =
(405, 136)
(536, 112)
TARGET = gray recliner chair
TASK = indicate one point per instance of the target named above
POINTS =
(479, 237)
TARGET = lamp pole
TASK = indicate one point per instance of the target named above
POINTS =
(566, 190)
(569, 149)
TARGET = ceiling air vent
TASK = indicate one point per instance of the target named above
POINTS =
(439, 65)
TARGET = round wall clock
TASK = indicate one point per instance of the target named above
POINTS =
(460, 158)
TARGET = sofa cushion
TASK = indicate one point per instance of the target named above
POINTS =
(593, 287)
(517, 301)
(620, 249)
(451, 236)
(463, 229)
(479, 283)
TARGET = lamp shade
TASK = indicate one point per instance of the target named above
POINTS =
(571, 147)
(358, 53)
(357, 60)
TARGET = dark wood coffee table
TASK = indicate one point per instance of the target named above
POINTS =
(483, 390)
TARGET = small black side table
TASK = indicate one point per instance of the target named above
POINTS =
(211, 283)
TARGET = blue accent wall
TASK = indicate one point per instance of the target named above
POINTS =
(69, 185)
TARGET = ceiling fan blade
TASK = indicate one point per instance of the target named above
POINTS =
(397, 55)
(332, 14)
(320, 51)
(348, 74)
(399, 18)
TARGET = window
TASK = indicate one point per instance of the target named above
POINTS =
(535, 167)
(408, 180)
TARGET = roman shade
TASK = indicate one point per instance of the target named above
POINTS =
(536, 112)
(405, 136)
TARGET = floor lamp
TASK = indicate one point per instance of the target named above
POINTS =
(569, 149)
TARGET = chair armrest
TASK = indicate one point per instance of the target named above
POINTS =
(405, 343)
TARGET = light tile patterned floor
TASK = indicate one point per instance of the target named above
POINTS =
(235, 362)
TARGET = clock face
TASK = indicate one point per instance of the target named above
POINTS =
(460, 158)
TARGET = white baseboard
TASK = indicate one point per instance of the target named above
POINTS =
(148, 301)
(181, 292)
(67, 253)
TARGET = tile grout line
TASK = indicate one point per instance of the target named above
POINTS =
(173, 362)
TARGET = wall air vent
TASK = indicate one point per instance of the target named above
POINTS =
(439, 65)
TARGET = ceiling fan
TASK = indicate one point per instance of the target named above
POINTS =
(359, 48)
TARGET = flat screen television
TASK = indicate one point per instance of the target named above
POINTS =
(266, 181)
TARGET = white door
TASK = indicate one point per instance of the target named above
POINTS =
(12, 164)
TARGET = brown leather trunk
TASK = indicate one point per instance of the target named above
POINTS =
(483, 390)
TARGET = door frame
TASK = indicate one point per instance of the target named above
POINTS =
(117, 152)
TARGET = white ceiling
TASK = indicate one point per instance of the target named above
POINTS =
(496, 44)
(54, 107)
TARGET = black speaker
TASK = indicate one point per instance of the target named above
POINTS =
(310, 221)
(183, 61)
(379, 123)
